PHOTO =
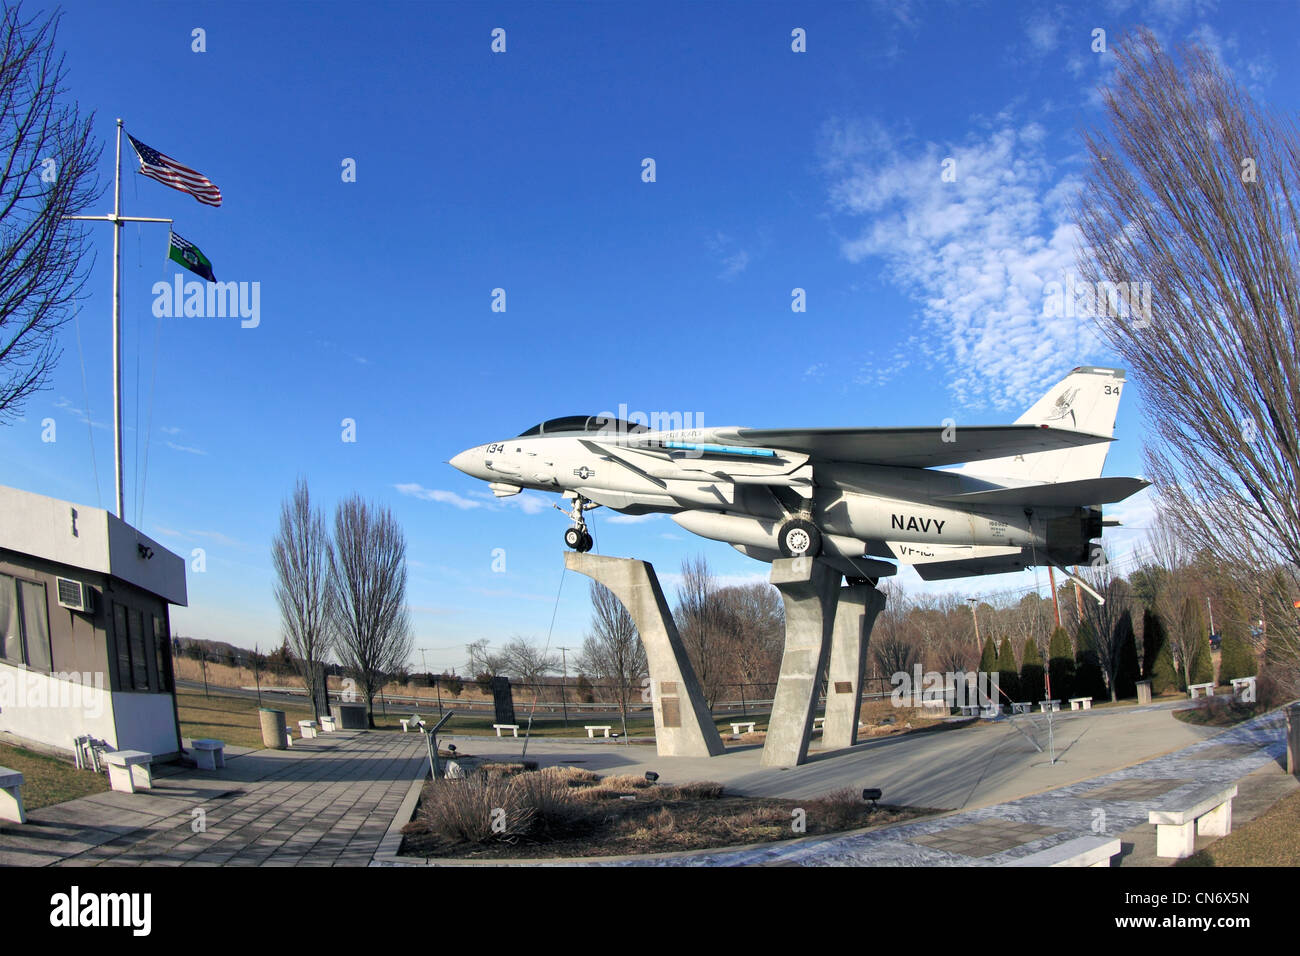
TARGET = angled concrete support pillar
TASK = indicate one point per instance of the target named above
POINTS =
(683, 725)
(808, 587)
(855, 614)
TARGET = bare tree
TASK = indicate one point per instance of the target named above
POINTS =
(1175, 597)
(1104, 617)
(755, 621)
(483, 660)
(304, 586)
(612, 651)
(47, 174)
(368, 565)
(704, 628)
(526, 661)
(1195, 190)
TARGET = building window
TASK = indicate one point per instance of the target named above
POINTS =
(123, 647)
(24, 623)
(162, 648)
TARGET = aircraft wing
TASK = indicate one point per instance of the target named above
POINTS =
(1087, 491)
(913, 447)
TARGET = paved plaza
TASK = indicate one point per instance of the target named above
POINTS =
(341, 799)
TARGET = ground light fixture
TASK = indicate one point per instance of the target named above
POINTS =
(873, 794)
(651, 776)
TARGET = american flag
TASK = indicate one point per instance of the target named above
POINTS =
(167, 171)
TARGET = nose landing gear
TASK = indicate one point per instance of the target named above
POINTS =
(578, 537)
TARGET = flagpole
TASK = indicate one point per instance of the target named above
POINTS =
(116, 218)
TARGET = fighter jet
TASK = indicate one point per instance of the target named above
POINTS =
(864, 500)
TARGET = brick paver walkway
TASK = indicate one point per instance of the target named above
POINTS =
(325, 802)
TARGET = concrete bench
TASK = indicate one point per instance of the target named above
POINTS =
(935, 706)
(971, 710)
(1053, 705)
(592, 728)
(1081, 702)
(819, 723)
(307, 728)
(1081, 851)
(1022, 707)
(1207, 810)
(11, 796)
(1244, 688)
(129, 770)
(513, 728)
(991, 712)
(328, 725)
(288, 736)
(735, 728)
(409, 722)
(1193, 688)
(210, 754)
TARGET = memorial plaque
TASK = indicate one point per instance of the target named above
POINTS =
(668, 687)
(844, 687)
(672, 712)
(503, 700)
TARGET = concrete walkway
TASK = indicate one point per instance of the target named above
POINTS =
(325, 802)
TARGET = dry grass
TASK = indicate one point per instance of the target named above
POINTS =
(1271, 839)
(572, 812)
(1217, 712)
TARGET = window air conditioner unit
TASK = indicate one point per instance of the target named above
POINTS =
(76, 595)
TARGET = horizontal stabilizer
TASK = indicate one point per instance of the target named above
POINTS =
(945, 570)
(913, 447)
(1065, 494)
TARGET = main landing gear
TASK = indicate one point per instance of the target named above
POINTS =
(799, 538)
(578, 537)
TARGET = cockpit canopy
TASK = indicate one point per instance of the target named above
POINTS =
(584, 424)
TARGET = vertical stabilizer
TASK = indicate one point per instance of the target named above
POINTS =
(1086, 400)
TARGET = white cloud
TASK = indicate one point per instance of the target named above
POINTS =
(614, 518)
(434, 494)
(188, 449)
(1042, 30)
(975, 253)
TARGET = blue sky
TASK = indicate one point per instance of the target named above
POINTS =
(522, 171)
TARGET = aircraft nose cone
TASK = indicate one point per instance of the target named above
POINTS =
(463, 462)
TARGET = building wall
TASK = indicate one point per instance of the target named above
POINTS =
(86, 649)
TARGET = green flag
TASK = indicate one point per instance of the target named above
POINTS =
(189, 255)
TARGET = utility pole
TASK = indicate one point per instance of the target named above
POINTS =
(1056, 606)
(973, 602)
(564, 676)
(116, 218)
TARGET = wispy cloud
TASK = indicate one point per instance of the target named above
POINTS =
(733, 259)
(975, 249)
(188, 449)
(436, 494)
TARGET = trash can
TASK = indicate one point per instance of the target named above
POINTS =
(273, 728)
(1144, 691)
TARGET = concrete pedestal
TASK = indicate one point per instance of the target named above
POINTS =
(855, 614)
(350, 716)
(1144, 691)
(683, 725)
(809, 589)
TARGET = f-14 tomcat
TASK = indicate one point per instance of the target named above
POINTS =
(859, 499)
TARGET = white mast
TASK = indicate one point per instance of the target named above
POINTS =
(116, 218)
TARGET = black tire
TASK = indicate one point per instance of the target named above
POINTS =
(799, 538)
(573, 538)
(587, 542)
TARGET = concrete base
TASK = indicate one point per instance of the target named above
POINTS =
(683, 725)
(855, 614)
(809, 589)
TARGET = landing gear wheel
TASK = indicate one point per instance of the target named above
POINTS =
(587, 542)
(799, 538)
(574, 538)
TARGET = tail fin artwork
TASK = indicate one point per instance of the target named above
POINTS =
(1086, 400)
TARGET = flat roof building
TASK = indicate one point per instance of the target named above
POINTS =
(85, 631)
